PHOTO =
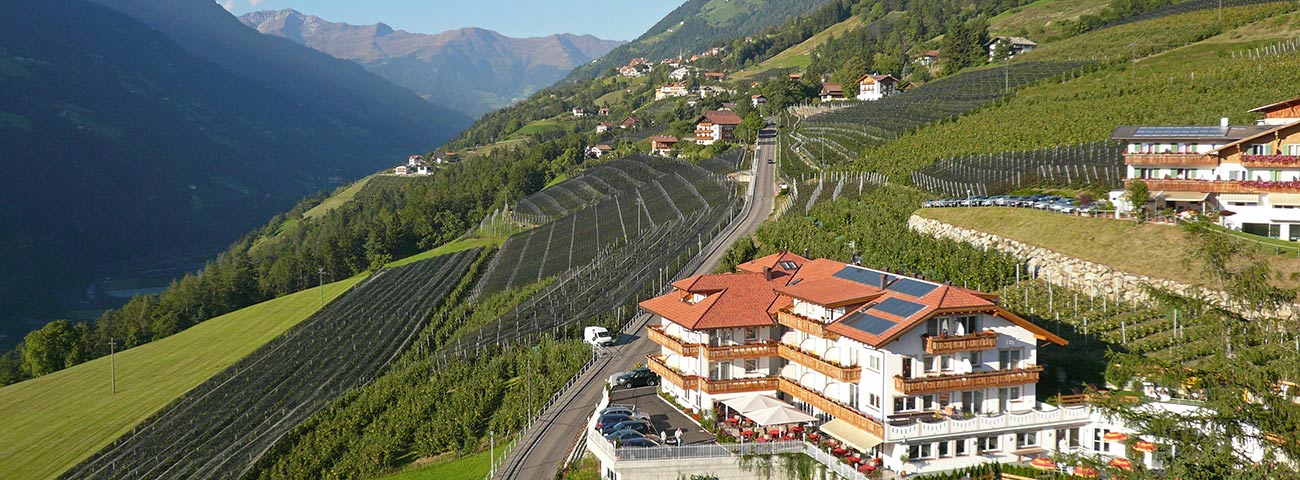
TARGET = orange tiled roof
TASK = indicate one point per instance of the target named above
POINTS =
(731, 300)
(774, 262)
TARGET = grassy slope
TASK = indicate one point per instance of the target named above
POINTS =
(339, 198)
(1148, 249)
(1040, 19)
(451, 247)
(469, 467)
(57, 420)
(798, 55)
(1188, 85)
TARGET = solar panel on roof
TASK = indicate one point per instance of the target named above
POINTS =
(788, 265)
(862, 275)
(915, 288)
(899, 307)
(1180, 131)
(868, 323)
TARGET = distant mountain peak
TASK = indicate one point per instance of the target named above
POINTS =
(473, 70)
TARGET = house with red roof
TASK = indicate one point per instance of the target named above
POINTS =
(716, 126)
(831, 92)
(663, 145)
(893, 366)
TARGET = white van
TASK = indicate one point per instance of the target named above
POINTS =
(597, 336)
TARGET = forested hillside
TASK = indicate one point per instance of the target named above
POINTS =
(124, 148)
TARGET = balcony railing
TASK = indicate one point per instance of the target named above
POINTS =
(843, 374)
(836, 409)
(965, 343)
(969, 381)
(804, 324)
(1270, 161)
(1220, 186)
(669, 375)
(1170, 160)
(737, 352)
(656, 334)
(737, 385)
(1044, 416)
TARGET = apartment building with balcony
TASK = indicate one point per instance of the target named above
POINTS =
(1252, 171)
(716, 126)
(902, 367)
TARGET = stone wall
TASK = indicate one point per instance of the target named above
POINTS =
(1084, 276)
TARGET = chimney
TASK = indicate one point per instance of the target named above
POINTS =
(805, 253)
(1223, 122)
(767, 273)
(882, 280)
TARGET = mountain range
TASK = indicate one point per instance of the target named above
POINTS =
(141, 131)
(471, 70)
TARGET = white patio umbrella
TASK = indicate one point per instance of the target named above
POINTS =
(779, 416)
(749, 403)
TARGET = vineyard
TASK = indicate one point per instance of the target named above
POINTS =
(841, 136)
(1186, 7)
(223, 426)
(806, 191)
(605, 206)
(1099, 165)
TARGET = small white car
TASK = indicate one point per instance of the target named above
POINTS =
(597, 336)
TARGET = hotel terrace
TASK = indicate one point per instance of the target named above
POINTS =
(1252, 171)
(891, 366)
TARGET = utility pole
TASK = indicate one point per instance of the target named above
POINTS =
(112, 362)
(492, 453)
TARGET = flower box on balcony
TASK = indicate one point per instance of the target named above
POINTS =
(1270, 160)
(945, 343)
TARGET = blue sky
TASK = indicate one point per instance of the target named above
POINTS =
(608, 19)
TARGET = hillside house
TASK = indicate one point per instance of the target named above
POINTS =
(579, 112)
(1251, 171)
(663, 145)
(680, 74)
(632, 71)
(831, 92)
(444, 158)
(890, 365)
(715, 76)
(929, 58)
(1018, 45)
(795, 76)
(716, 126)
(604, 112)
(629, 122)
(597, 151)
(675, 89)
(872, 87)
(603, 127)
(757, 100)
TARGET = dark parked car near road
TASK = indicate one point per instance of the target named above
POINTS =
(637, 377)
(638, 426)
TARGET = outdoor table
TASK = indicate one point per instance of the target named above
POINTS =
(796, 429)
(747, 432)
(814, 436)
(839, 451)
(773, 431)
(854, 459)
(788, 437)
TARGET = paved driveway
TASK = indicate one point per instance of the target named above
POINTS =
(663, 416)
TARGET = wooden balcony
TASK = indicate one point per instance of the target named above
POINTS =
(969, 381)
(965, 343)
(656, 334)
(1170, 160)
(669, 375)
(836, 409)
(804, 324)
(1270, 161)
(738, 352)
(843, 374)
(1219, 186)
(740, 385)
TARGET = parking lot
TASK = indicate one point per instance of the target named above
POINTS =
(663, 416)
(1040, 202)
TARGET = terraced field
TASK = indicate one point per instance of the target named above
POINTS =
(220, 428)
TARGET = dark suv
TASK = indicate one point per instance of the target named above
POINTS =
(638, 377)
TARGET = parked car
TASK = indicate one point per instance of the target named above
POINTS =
(616, 418)
(637, 377)
(638, 426)
(625, 435)
(597, 336)
(637, 443)
(628, 410)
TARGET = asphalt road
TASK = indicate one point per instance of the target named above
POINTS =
(541, 452)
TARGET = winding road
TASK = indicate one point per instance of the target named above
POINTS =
(543, 449)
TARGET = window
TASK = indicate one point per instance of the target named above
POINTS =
(927, 402)
(1008, 358)
(961, 447)
(968, 324)
(972, 401)
(988, 444)
(1275, 175)
(1074, 437)
(945, 362)
(936, 326)
(854, 392)
(931, 364)
(751, 334)
(924, 450)
(904, 404)
(751, 365)
(1260, 149)
(873, 362)
(873, 401)
(976, 360)
(1026, 439)
(945, 449)
(1293, 150)
(1014, 394)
